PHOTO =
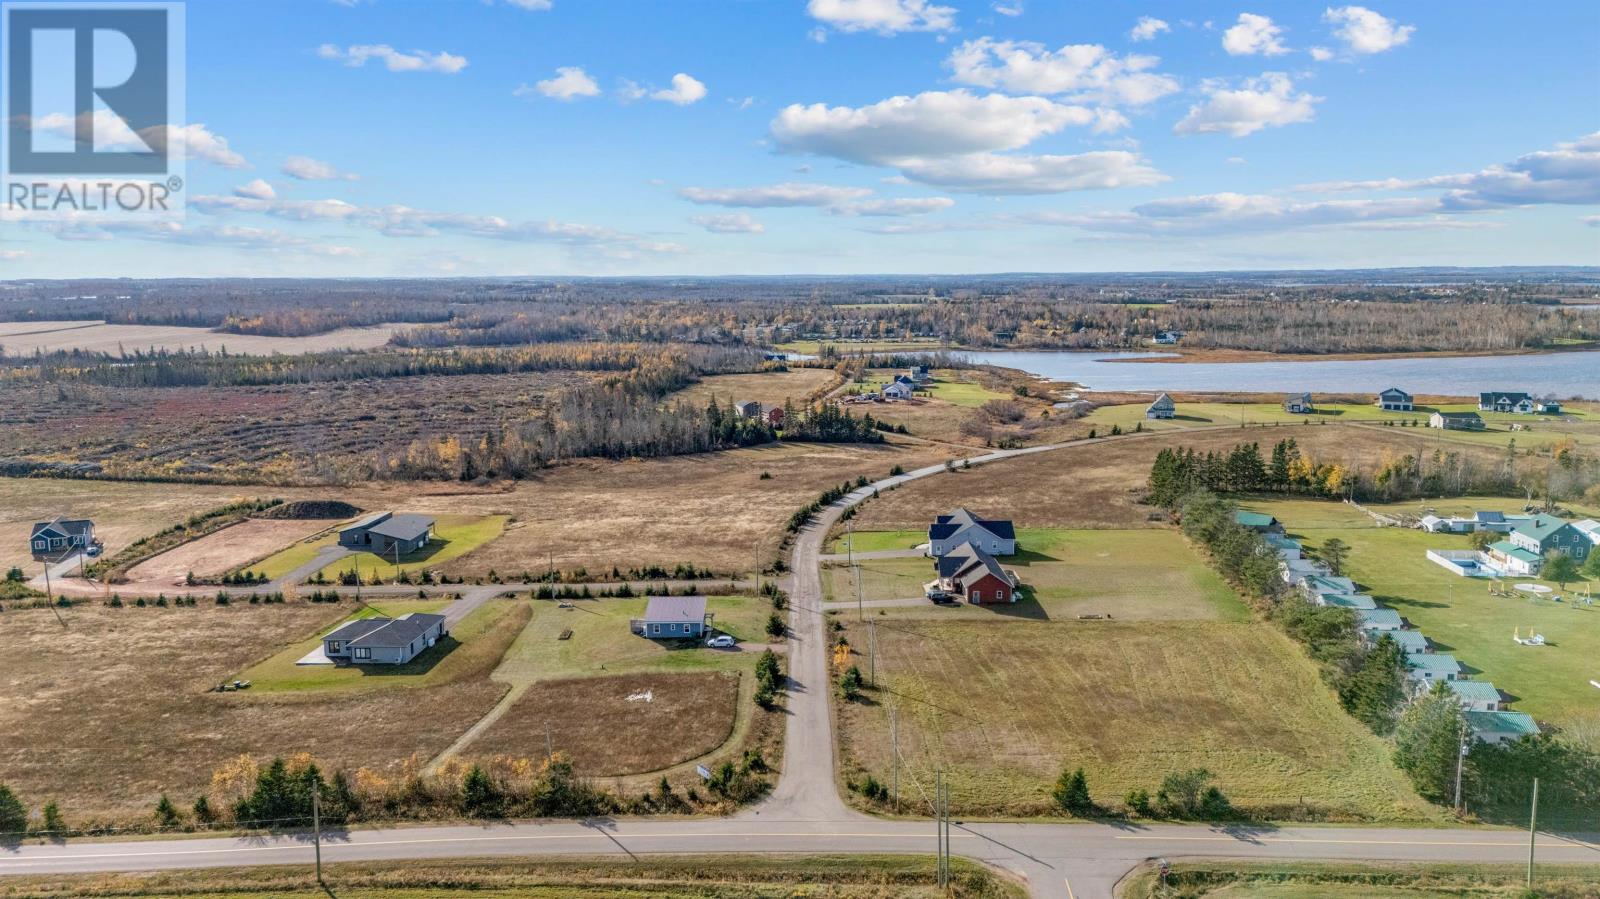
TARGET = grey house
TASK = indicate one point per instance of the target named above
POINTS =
(995, 536)
(383, 641)
(1395, 400)
(381, 532)
(672, 618)
(61, 535)
(1163, 407)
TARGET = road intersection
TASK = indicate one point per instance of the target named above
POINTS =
(805, 814)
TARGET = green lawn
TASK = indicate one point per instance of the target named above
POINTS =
(1550, 682)
(954, 386)
(439, 664)
(453, 537)
(1330, 880)
(281, 563)
(601, 642)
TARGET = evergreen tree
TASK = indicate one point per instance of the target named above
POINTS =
(1427, 741)
(479, 796)
(13, 815)
(167, 813)
(1334, 552)
(1072, 792)
(1376, 689)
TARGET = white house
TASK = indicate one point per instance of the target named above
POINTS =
(1163, 407)
(1518, 403)
(899, 390)
(1500, 727)
(1476, 695)
(1426, 669)
(995, 536)
(1298, 403)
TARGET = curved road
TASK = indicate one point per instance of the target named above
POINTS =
(805, 814)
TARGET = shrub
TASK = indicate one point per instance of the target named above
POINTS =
(1072, 792)
(13, 816)
(850, 683)
(479, 796)
(775, 626)
(53, 822)
(1138, 802)
(167, 813)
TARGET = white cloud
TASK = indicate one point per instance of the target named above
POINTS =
(1085, 71)
(305, 168)
(629, 90)
(255, 190)
(1569, 174)
(935, 123)
(885, 17)
(1012, 9)
(994, 173)
(532, 5)
(790, 193)
(1254, 34)
(395, 60)
(1267, 101)
(1321, 54)
(684, 91)
(1223, 213)
(730, 223)
(112, 133)
(1592, 221)
(895, 208)
(9, 254)
(1147, 28)
(1364, 31)
(569, 83)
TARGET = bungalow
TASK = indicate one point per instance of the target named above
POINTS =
(1357, 601)
(899, 390)
(1543, 533)
(1519, 403)
(1590, 528)
(1295, 571)
(1285, 547)
(384, 532)
(61, 535)
(1500, 727)
(1410, 642)
(1491, 521)
(1375, 620)
(1433, 524)
(1549, 406)
(1395, 400)
(383, 641)
(1428, 668)
(1298, 403)
(995, 536)
(1513, 559)
(1323, 582)
(1476, 695)
(1260, 522)
(1456, 421)
(974, 575)
(672, 618)
(1163, 407)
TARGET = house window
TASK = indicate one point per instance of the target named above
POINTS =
(363, 653)
(333, 645)
(655, 628)
(1000, 594)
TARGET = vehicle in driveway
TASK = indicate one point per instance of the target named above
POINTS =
(721, 641)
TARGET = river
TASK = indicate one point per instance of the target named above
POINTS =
(1564, 375)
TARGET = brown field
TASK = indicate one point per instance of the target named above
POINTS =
(122, 511)
(772, 387)
(224, 550)
(24, 338)
(592, 720)
(107, 714)
(280, 434)
(1098, 485)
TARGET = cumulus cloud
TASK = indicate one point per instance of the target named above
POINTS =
(395, 60)
(885, 17)
(569, 83)
(1364, 31)
(111, 132)
(730, 223)
(895, 208)
(1321, 54)
(532, 5)
(1085, 71)
(1252, 35)
(255, 190)
(684, 91)
(1147, 28)
(995, 173)
(791, 193)
(1012, 9)
(305, 168)
(1267, 101)
(1567, 174)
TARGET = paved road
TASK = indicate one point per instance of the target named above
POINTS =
(806, 814)
(875, 554)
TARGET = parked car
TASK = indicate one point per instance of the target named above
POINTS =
(93, 550)
(940, 596)
(721, 641)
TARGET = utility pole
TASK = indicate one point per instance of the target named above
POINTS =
(316, 825)
(850, 540)
(1461, 757)
(938, 824)
(894, 741)
(1533, 829)
(549, 748)
(872, 652)
(861, 609)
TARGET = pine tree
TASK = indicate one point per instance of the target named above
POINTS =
(1072, 792)
(13, 815)
(1427, 741)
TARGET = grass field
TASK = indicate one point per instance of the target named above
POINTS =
(1326, 880)
(118, 709)
(1460, 616)
(25, 338)
(774, 876)
(1002, 708)
(286, 560)
(474, 645)
(814, 347)
(772, 387)
(1127, 574)
(453, 537)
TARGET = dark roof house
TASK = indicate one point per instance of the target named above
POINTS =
(383, 532)
(996, 536)
(672, 617)
(1506, 401)
(383, 641)
(60, 535)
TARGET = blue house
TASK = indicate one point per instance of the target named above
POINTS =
(673, 618)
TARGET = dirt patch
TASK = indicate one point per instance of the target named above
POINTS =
(222, 551)
(627, 724)
(25, 338)
(312, 508)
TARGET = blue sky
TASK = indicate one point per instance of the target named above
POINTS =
(395, 138)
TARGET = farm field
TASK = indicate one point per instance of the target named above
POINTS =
(222, 551)
(813, 347)
(26, 338)
(1320, 880)
(1460, 616)
(454, 536)
(121, 712)
(655, 876)
(1129, 574)
(774, 387)
(950, 411)
(619, 725)
(474, 645)
(1130, 702)
(280, 434)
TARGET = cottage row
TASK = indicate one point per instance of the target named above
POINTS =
(1482, 703)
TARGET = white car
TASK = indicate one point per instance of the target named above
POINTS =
(721, 641)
